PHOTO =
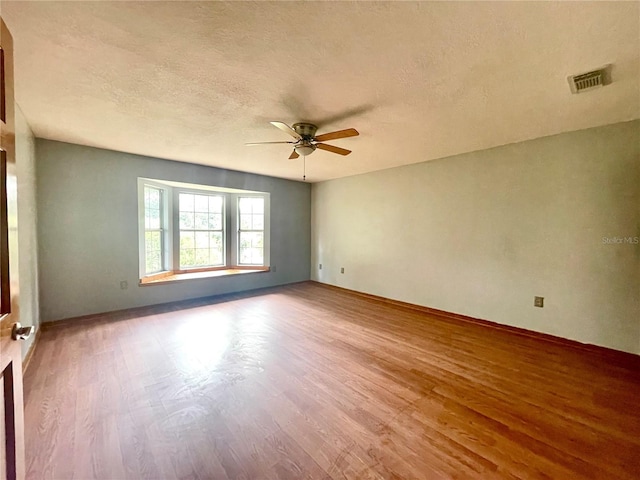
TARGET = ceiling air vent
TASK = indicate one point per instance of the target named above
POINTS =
(590, 80)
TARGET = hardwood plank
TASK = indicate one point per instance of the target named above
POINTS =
(304, 381)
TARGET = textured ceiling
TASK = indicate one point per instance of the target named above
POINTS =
(193, 81)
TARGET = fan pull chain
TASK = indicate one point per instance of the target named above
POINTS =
(304, 168)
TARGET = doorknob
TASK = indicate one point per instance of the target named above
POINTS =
(18, 332)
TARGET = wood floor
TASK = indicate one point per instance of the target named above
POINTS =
(306, 381)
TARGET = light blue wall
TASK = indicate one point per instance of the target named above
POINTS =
(88, 230)
(27, 220)
(482, 233)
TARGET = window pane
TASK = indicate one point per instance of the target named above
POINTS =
(201, 203)
(256, 255)
(187, 240)
(154, 219)
(216, 256)
(215, 240)
(153, 262)
(245, 256)
(186, 221)
(251, 215)
(257, 240)
(202, 239)
(215, 221)
(215, 204)
(258, 205)
(152, 241)
(187, 257)
(186, 202)
(251, 250)
(245, 222)
(244, 205)
(153, 236)
(154, 198)
(251, 239)
(202, 257)
(201, 221)
(216, 249)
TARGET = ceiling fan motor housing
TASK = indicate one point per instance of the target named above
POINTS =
(306, 130)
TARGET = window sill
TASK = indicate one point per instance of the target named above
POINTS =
(171, 277)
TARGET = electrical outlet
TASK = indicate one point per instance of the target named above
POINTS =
(538, 302)
(320, 266)
(342, 270)
(124, 285)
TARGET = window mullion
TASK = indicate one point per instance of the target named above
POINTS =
(161, 230)
(175, 230)
(231, 235)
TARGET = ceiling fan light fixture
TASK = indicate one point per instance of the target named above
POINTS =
(306, 140)
(305, 149)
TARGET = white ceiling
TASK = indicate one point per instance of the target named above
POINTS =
(193, 81)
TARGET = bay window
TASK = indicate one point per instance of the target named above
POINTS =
(187, 229)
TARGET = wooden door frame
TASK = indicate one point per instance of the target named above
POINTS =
(10, 349)
(11, 370)
(5, 284)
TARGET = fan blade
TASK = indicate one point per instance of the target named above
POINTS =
(349, 132)
(332, 149)
(293, 155)
(286, 128)
(265, 143)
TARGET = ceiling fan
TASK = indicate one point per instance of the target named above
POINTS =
(306, 140)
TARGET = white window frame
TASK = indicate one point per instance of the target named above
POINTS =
(177, 230)
(238, 230)
(171, 226)
(166, 222)
(159, 230)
